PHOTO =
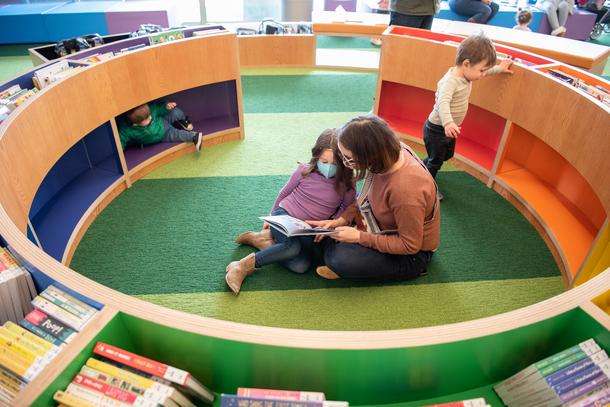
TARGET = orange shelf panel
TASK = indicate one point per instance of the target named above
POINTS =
(574, 235)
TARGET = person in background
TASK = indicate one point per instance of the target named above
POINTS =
(523, 19)
(414, 13)
(321, 189)
(157, 122)
(477, 11)
(475, 59)
(557, 12)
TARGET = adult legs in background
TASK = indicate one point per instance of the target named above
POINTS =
(406, 20)
(552, 12)
(478, 11)
(495, 7)
(562, 11)
(350, 260)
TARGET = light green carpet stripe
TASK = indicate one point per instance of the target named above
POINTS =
(367, 308)
(274, 142)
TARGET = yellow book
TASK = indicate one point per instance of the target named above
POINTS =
(18, 330)
(16, 365)
(20, 350)
(12, 379)
(71, 400)
(22, 341)
(9, 386)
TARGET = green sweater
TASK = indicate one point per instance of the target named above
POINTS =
(415, 7)
(153, 133)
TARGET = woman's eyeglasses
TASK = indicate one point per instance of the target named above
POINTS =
(349, 162)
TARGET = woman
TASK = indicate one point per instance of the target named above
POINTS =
(402, 197)
(478, 11)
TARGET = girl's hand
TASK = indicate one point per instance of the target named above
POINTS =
(505, 65)
(346, 234)
(452, 130)
(170, 105)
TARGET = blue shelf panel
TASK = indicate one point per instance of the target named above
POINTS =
(55, 222)
(75, 19)
(23, 23)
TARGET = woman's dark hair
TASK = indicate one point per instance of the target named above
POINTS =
(344, 178)
(373, 144)
(138, 114)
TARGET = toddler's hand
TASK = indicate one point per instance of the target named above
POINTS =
(505, 65)
(452, 130)
(170, 105)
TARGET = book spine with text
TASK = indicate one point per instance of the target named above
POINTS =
(113, 392)
(68, 302)
(146, 365)
(232, 400)
(93, 396)
(40, 332)
(122, 384)
(58, 313)
(51, 325)
(281, 394)
(70, 400)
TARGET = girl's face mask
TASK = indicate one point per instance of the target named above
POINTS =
(327, 169)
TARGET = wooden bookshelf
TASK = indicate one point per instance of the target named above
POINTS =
(277, 50)
(554, 190)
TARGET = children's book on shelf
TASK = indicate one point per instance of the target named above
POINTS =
(182, 378)
(234, 400)
(52, 73)
(478, 402)
(572, 374)
(12, 97)
(291, 226)
(16, 288)
(165, 36)
(97, 57)
(134, 382)
(48, 327)
(132, 48)
(281, 394)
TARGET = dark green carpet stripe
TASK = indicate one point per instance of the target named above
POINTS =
(310, 93)
(176, 236)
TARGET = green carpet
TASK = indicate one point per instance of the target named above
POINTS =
(197, 219)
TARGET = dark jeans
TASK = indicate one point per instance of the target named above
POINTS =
(407, 20)
(173, 134)
(439, 147)
(351, 260)
(294, 253)
(475, 9)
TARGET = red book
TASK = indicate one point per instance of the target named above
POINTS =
(281, 394)
(141, 363)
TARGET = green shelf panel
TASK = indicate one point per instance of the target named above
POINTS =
(406, 376)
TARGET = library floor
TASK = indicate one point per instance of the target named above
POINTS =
(490, 260)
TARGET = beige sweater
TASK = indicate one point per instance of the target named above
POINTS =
(451, 98)
(403, 200)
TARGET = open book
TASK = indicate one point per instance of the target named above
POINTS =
(294, 227)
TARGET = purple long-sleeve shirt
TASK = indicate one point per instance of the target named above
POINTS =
(313, 197)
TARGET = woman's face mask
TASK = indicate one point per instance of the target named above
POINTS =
(327, 169)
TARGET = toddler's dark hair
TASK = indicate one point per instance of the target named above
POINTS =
(137, 114)
(524, 16)
(476, 48)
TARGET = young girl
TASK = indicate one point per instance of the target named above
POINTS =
(523, 19)
(320, 189)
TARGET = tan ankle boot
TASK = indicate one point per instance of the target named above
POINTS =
(261, 240)
(327, 273)
(237, 271)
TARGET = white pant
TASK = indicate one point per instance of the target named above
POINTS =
(557, 14)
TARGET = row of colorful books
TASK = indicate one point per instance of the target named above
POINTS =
(28, 347)
(600, 93)
(117, 377)
(578, 376)
(16, 288)
(12, 97)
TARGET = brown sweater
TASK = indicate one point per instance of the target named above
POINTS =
(403, 200)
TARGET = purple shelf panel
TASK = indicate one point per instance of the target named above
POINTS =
(135, 155)
(55, 222)
(129, 21)
(214, 124)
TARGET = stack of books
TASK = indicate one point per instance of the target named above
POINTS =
(97, 57)
(27, 347)
(52, 73)
(12, 97)
(122, 378)
(252, 397)
(577, 376)
(165, 36)
(598, 92)
(16, 288)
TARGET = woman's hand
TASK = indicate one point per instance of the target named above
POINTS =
(326, 224)
(170, 105)
(346, 234)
